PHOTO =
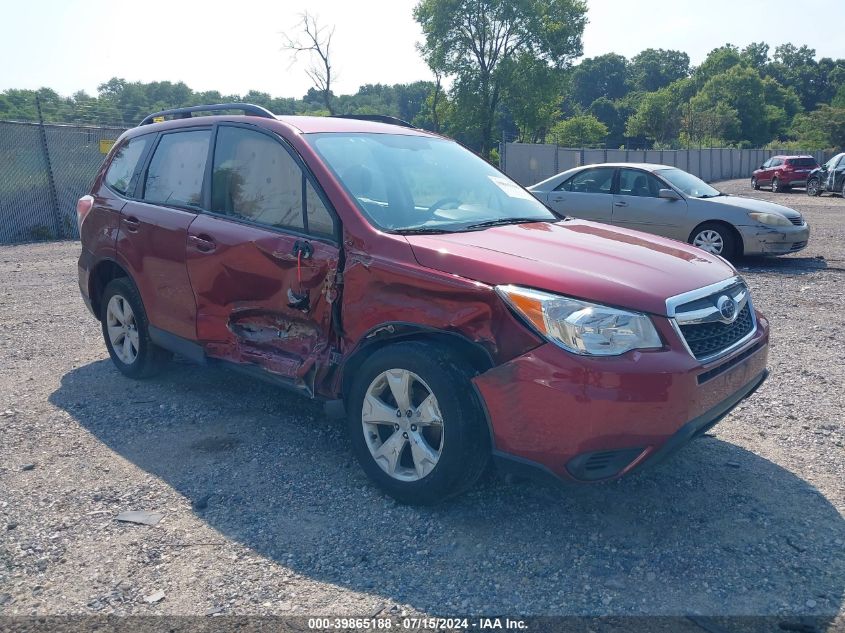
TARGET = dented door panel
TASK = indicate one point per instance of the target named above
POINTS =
(258, 300)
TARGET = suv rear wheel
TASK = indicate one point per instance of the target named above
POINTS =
(125, 330)
(414, 423)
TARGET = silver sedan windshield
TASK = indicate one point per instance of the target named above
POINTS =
(688, 184)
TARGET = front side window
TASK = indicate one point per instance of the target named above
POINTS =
(767, 164)
(417, 183)
(176, 170)
(776, 162)
(633, 182)
(599, 180)
(833, 162)
(124, 163)
(256, 179)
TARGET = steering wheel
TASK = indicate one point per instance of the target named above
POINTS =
(441, 202)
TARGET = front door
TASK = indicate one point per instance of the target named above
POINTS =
(636, 205)
(263, 259)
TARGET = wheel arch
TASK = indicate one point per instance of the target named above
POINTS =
(740, 244)
(475, 354)
(103, 272)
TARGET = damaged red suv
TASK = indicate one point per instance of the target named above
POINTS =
(409, 284)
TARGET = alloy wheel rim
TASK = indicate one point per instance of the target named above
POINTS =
(709, 241)
(122, 329)
(811, 188)
(402, 425)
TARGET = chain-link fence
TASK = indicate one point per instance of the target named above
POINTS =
(44, 170)
(529, 163)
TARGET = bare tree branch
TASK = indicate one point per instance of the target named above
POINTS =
(314, 41)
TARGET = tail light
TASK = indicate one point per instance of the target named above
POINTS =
(83, 207)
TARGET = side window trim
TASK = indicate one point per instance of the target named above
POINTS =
(307, 177)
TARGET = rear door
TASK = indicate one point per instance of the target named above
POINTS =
(263, 258)
(586, 195)
(154, 228)
(636, 205)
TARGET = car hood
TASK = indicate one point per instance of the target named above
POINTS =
(591, 261)
(749, 204)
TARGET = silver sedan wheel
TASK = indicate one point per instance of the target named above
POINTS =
(710, 241)
(123, 332)
(402, 425)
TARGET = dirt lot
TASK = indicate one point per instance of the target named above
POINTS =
(264, 511)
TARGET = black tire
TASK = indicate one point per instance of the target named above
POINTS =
(754, 184)
(814, 187)
(465, 440)
(843, 189)
(150, 358)
(730, 244)
(776, 188)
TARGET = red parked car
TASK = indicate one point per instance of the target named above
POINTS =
(782, 173)
(411, 285)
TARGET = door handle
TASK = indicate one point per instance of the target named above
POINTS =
(132, 223)
(621, 203)
(557, 199)
(203, 244)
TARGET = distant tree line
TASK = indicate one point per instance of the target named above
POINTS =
(504, 69)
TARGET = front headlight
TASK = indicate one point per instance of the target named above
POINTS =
(582, 327)
(770, 219)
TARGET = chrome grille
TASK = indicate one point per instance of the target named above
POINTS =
(797, 221)
(707, 330)
(709, 339)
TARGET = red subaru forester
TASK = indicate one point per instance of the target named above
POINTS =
(411, 285)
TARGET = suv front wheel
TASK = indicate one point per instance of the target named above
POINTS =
(126, 333)
(813, 187)
(414, 423)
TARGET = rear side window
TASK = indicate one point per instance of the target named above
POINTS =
(176, 170)
(598, 180)
(124, 164)
(801, 162)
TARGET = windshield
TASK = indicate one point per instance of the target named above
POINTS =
(687, 183)
(423, 184)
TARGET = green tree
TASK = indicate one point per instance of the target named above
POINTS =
(531, 96)
(656, 68)
(718, 61)
(756, 55)
(472, 40)
(584, 130)
(741, 89)
(596, 77)
(658, 117)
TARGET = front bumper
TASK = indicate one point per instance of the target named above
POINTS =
(770, 240)
(593, 419)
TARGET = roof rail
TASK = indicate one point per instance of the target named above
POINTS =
(187, 113)
(379, 118)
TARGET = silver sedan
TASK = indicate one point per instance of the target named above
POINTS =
(667, 201)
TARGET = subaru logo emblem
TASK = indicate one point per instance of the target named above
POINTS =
(727, 308)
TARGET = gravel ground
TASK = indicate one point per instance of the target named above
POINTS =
(265, 512)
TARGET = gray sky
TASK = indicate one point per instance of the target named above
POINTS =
(74, 44)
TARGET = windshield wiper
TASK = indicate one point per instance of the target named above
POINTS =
(501, 222)
(421, 230)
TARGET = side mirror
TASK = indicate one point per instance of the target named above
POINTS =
(668, 194)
